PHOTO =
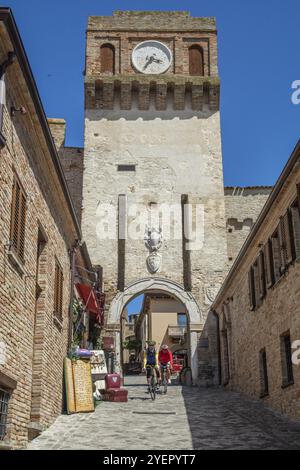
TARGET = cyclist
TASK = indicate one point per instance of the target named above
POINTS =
(165, 358)
(151, 360)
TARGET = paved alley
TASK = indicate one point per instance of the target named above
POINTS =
(186, 418)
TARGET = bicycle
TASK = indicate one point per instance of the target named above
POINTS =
(153, 382)
(164, 380)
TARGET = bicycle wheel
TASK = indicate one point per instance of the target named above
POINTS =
(153, 388)
(165, 382)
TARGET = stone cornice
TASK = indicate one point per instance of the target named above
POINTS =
(101, 91)
(151, 21)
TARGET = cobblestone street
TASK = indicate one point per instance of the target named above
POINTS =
(187, 418)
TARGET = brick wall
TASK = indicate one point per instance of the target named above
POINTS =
(71, 159)
(35, 342)
(250, 331)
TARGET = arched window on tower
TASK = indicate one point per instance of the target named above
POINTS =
(107, 57)
(196, 62)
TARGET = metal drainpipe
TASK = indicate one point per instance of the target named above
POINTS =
(73, 263)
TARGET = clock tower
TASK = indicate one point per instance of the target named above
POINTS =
(153, 194)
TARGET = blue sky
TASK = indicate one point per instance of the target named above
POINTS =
(258, 60)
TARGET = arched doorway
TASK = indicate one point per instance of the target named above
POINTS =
(158, 285)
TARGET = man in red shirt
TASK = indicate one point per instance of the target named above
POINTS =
(165, 358)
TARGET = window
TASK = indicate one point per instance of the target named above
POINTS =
(257, 282)
(196, 62)
(295, 222)
(126, 167)
(58, 291)
(276, 256)
(41, 243)
(286, 360)
(107, 57)
(262, 275)
(18, 218)
(268, 262)
(252, 297)
(4, 399)
(181, 319)
(286, 242)
(264, 381)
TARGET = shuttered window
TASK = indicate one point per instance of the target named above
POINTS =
(257, 283)
(107, 53)
(268, 260)
(58, 291)
(251, 289)
(276, 256)
(295, 219)
(196, 62)
(286, 242)
(262, 275)
(18, 220)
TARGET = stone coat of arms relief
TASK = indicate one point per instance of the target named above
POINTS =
(153, 241)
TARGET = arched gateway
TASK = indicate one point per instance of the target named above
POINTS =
(152, 285)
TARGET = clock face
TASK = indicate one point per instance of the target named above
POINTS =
(152, 57)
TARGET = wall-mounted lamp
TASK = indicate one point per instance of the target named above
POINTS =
(14, 110)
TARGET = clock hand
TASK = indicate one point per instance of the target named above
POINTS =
(150, 60)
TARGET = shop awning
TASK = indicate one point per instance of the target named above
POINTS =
(89, 297)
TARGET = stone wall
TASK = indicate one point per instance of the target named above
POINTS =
(175, 154)
(242, 206)
(244, 332)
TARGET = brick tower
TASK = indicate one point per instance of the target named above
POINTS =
(152, 138)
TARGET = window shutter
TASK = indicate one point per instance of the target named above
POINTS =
(298, 197)
(18, 219)
(295, 216)
(289, 240)
(276, 257)
(282, 245)
(15, 215)
(108, 59)
(61, 294)
(268, 260)
(58, 291)
(196, 63)
(257, 284)
(262, 275)
(251, 289)
(22, 226)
